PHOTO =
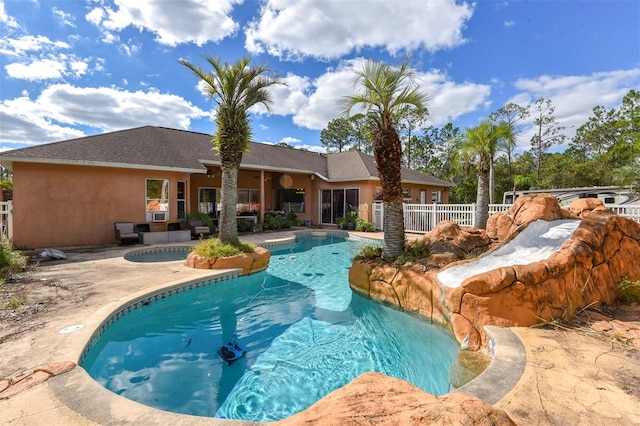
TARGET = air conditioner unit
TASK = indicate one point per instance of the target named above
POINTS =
(159, 216)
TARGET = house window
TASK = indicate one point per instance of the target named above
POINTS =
(208, 198)
(182, 199)
(157, 200)
(436, 197)
(248, 200)
(406, 193)
(292, 200)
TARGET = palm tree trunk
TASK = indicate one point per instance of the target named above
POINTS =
(482, 203)
(492, 182)
(387, 152)
(228, 221)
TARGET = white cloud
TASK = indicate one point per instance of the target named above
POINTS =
(313, 104)
(43, 69)
(22, 45)
(448, 99)
(187, 21)
(330, 29)
(60, 107)
(7, 20)
(65, 18)
(509, 24)
(574, 97)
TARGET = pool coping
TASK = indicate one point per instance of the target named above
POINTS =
(82, 394)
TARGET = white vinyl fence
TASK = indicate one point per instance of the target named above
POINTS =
(421, 218)
(6, 221)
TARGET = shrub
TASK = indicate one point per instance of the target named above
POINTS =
(11, 261)
(364, 226)
(205, 218)
(369, 253)
(275, 221)
(628, 291)
(245, 225)
(413, 251)
(6, 184)
(213, 247)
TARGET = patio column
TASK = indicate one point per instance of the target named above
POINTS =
(261, 217)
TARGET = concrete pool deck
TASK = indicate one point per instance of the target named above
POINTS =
(545, 377)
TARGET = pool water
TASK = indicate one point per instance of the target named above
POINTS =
(164, 254)
(306, 335)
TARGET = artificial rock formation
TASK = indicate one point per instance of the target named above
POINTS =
(604, 250)
(248, 262)
(373, 398)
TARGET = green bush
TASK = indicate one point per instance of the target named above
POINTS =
(369, 253)
(205, 218)
(413, 251)
(628, 291)
(213, 247)
(275, 222)
(6, 184)
(245, 225)
(364, 226)
(10, 261)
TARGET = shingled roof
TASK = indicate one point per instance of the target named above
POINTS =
(151, 147)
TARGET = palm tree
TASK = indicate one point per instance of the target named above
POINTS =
(234, 88)
(382, 91)
(478, 146)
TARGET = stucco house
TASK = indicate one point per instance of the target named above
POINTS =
(70, 193)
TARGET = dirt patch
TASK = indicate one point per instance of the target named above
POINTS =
(27, 302)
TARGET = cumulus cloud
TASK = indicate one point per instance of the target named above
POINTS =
(173, 23)
(59, 107)
(332, 29)
(20, 46)
(574, 97)
(313, 103)
(7, 20)
(65, 18)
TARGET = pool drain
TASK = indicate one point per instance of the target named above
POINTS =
(71, 328)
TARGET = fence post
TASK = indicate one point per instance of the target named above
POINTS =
(473, 213)
(434, 216)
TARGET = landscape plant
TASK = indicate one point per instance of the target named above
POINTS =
(235, 88)
(214, 247)
(11, 261)
(382, 92)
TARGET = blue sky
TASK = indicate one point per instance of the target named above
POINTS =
(71, 68)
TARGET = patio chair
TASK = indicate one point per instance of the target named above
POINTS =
(174, 226)
(126, 232)
(198, 229)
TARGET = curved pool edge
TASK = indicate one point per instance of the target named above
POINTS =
(82, 394)
(508, 362)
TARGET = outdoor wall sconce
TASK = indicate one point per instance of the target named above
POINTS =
(210, 173)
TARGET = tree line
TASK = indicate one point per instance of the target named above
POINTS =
(604, 150)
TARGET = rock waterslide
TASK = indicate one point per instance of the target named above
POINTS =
(522, 291)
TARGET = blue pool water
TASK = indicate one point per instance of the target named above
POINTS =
(306, 334)
(163, 254)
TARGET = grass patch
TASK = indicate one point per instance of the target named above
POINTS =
(413, 251)
(11, 261)
(14, 303)
(628, 292)
(213, 247)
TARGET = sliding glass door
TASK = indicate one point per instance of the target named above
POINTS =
(337, 202)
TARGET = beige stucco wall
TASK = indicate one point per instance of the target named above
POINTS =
(62, 206)
(68, 205)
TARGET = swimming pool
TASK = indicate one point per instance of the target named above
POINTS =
(158, 254)
(306, 335)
